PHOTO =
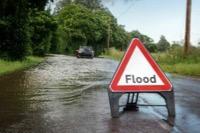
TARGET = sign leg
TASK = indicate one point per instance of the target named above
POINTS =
(131, 105)
(170, 104)
(114, 103)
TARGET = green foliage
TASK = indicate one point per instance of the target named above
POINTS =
(75, 22)
(38, 4)
(83, 26)
(44, 29)
(14, 40)
(144, 38)
(120, 38)
(27, 29)
(152, 47)
(56, 47)
(147, 41)
(175, 45)
(14, 27)
(174, 61)
(113, 53)
(182, 68)
(163, 44)
(91, 4)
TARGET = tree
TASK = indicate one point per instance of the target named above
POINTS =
(175, 44)
(84, 26)
(44, 26)
(14, 25)
(91, 4)
(79, 25)
(114, 35)
(14, 29)
(198, 44)
(163, 44)
(120, 38)
(147, 41)
(38, 4)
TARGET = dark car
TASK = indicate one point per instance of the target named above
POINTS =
(85, 52)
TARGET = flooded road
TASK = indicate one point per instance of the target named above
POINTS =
(69, 95)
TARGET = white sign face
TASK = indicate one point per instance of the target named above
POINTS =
(138, 71)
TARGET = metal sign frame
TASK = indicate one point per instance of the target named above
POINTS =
(133, 105)
(115, 91)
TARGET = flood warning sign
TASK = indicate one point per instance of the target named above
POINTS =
(139, 72)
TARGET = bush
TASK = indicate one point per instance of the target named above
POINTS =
(113, 53)
(175, 55)
(163, 45)
(43, 27)
(15, 38)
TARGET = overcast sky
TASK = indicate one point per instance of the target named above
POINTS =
(157, 17)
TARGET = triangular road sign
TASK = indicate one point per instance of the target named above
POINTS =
(138, 72)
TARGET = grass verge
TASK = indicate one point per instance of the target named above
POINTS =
(114, 54)
(11, 66)
(169, 62)
(183, 69)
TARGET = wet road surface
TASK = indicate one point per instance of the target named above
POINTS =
(69, 95)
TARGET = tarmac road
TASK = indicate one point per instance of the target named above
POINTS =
(69, 95)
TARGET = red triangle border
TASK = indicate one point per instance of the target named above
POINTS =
(139, 88)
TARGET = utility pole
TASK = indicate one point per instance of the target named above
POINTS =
(108, 37)
(187, 27)
(108, 34)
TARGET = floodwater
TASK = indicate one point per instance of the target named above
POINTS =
(69, 95)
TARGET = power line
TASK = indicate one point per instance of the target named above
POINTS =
(128, 8)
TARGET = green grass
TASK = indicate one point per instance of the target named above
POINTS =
(183, 69)
(171, 61)
(11, 66)
(114, 54)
